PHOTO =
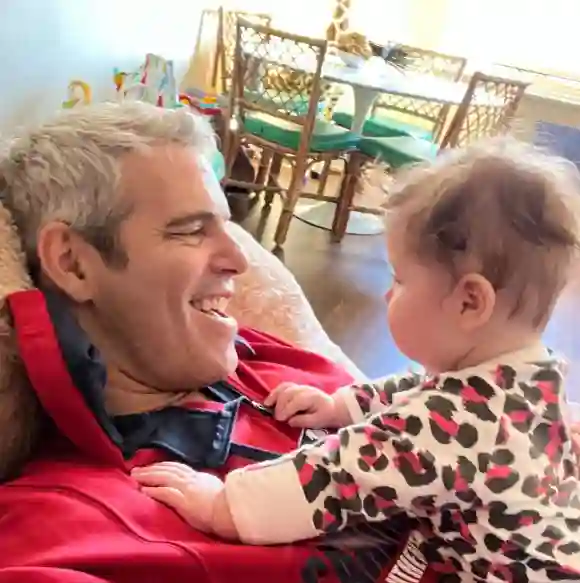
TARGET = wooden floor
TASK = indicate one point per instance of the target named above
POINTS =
(346, 284)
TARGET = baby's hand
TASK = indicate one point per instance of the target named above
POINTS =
(303, 406)
(199, 498)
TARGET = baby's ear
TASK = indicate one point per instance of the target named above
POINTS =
(473, 301)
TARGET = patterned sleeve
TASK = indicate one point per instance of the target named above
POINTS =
(418, 454)
(366, 399)
(575, 436)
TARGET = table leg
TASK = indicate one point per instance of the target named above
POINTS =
(363, 103)
(321, 214)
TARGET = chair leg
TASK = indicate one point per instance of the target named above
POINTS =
(264, 169)
(232, 147)
(346, 197)
(290, 200)
(275, 167)
(324, 176)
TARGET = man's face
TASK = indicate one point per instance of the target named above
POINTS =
(159, 320)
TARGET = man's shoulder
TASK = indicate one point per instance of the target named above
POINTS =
(54, 482)
(42, 506)
(67, 489)
(96, 520)
(74, 509)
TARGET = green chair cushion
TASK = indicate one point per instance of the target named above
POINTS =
(382, 126)
(218, 164)
(326, 136)
(282, 101)
(399, 151)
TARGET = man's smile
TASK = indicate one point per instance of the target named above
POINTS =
(212, 305)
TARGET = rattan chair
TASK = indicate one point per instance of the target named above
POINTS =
(275, 105)
(488, 108)
(394, 115)
(226, 43)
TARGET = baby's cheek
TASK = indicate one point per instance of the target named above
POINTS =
(395, 310)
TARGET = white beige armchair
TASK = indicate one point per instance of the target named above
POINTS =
(269, 298)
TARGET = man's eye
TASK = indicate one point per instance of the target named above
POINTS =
(195, 232)
(191, 235)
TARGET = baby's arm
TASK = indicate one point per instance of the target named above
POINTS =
(312, 408)
(363, 400)
(410, 456)
(355, 473)
(197, 496)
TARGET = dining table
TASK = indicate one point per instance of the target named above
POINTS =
(373, 78)
(370, 79)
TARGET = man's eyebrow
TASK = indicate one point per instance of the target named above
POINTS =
(189, 219)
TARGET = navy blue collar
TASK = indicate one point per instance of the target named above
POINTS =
(190, 435)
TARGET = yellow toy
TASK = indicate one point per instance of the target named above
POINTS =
(119, 79)
(79, 92)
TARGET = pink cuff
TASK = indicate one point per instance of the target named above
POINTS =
(348, 397)
(267, 504)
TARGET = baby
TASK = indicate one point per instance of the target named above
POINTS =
(476, 449)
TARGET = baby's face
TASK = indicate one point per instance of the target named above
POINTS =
(420, 320)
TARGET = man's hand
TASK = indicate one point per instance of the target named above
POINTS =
(304, 406)
(199, 498)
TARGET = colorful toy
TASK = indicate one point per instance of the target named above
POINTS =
(185, 99)
(209, 99)
(204, 103)
(119, 79)
(79, 93)
(154, 82)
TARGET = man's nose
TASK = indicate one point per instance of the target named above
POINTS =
(232, 258)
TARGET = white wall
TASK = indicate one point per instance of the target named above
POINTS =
(44, 44)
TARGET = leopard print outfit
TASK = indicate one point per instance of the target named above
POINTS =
(480, 460)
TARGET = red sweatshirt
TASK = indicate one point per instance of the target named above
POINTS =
(76, 516)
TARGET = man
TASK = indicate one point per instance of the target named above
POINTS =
(116, 351)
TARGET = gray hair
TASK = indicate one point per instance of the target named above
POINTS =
(68, 169)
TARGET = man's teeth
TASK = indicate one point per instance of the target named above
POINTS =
(216, 304)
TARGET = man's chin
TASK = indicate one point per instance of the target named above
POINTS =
(223, 366)
(231, 361)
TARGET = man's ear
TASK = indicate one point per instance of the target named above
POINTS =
(64, 257)
(472, 301)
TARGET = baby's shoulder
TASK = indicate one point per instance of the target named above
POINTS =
(503, 376)
(524, 394)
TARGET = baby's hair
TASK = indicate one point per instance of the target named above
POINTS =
(501, 207)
